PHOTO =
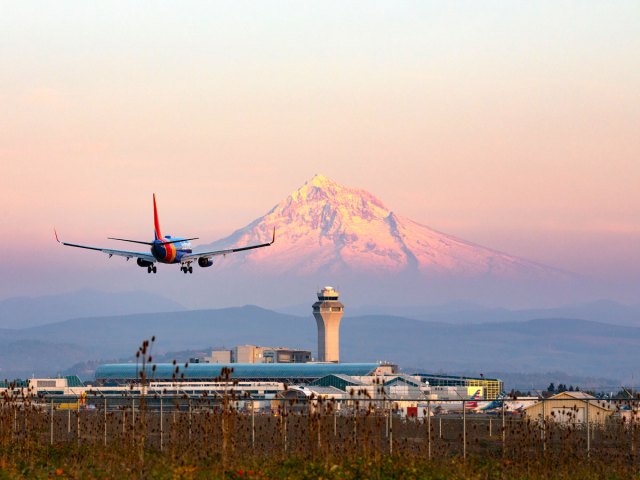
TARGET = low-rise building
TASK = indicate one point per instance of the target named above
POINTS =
(220, 356)
(491, 387)
(257, 354)
(570, 408)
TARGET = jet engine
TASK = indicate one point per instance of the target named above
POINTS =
(143, 263)
(205, 262)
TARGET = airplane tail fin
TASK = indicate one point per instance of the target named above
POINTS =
(156, 222)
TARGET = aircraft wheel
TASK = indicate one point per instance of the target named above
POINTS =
(190, 269)
(184, 269)
(149, 269)
(155, 269)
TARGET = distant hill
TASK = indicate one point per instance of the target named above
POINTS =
(577, 347)
(23, 312)
(604, 311)
(539, 381)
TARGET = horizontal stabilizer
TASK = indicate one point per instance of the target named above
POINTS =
(180, 240)
(151, 243)
(131, 241)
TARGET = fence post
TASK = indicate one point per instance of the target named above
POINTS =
(335, 420)
(319, 407)
(489, 427)
(105, 421)
(355, 427)
(440, 427)
(390, 431)
(222, 429)
(161, 426)
(504, 430)
(631, 415)
(588, 432)
(284, 418)
(464, 429)
(386, 419)
(78, 421)
(544, 426)
(51, 433)
(189, 420)
(68, 420)
(429, 427)
(253, 425)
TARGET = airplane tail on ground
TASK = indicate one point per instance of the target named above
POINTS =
(473, 401)
(497, 403)
(156, 222)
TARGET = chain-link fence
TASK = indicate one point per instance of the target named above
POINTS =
(328, 428)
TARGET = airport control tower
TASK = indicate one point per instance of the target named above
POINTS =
(328, 312)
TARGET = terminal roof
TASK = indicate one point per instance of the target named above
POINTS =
(283, 372)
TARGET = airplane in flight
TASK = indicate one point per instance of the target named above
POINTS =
(167, 249)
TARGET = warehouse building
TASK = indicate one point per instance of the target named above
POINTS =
(570, 408)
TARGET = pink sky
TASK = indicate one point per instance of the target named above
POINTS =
(514, 125)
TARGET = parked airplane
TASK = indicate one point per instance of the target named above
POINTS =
(456, 406)
(491, 404)
(511, 404)
(167, 249)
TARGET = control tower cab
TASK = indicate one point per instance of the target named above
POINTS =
(328, 313)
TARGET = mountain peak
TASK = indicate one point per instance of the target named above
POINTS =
(330, 228)
(322, 189)
(319, 180)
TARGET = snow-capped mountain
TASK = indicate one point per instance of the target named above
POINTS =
(329, 228)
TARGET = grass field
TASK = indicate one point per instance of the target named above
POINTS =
(213, 439)
(162, 437)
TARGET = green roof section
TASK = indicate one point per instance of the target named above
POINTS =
(339, 381)
(403, 379)
(74, 381)
(14, 383)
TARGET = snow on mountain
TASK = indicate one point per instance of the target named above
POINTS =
(324, 226)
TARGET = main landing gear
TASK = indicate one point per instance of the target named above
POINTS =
(186, 269)
(152, 269)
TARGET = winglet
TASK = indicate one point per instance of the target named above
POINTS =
(274, 235)
(56, 233)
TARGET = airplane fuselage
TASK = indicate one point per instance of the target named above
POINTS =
(170, 252)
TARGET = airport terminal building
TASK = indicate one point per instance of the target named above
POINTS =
(289, 373)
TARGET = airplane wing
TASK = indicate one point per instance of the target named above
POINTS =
(214, 253)
(121, 253)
